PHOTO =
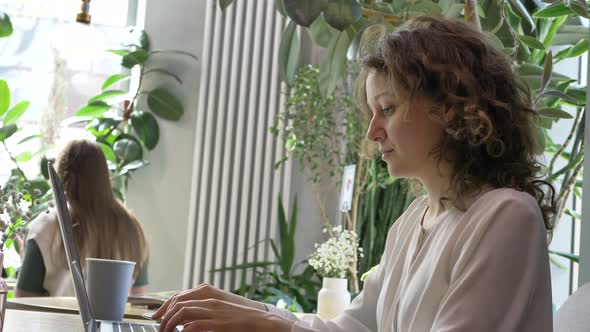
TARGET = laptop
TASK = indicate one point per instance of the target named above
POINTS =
(65, 225)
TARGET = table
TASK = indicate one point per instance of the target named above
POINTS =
(63, 305)
(28, 321)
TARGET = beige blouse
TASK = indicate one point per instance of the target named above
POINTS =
(485, 269)
(45, 231)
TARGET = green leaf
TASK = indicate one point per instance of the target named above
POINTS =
(453, 10)
(121, 52)
(7, 131)
(95, 109)
(5, 25)
(573, 214)
(524, 13)
(134, 58)
(146, 128)
(107, 96)
(127, 149)
(321, 32)
(16, 112)
(554, 10)
(289, 53)
(556, 113)
(225, 3)
(164, 105)
(303, 12)
(342, 13)
(559, 94)
(572, 257)
(552, 31)
(334, 66)
(547, 70)
(533, 74)
(138, 38)
(427, 7)
(575, 51)
(4, 97)
(531, 42)
(24, 157)
(136, 164)
(580, 9)
(108, 152)
(114, 79)
(29, 138)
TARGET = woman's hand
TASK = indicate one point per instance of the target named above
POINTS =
(205, 292)
(221, 316)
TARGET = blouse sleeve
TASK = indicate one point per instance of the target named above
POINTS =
(500, 280)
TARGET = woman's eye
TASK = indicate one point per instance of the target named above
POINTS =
(388, 110)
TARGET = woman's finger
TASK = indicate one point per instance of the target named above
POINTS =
(205, 325)
(191, 294)
(183, 316)
(164, 307)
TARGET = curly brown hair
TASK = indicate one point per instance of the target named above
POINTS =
(492, 137)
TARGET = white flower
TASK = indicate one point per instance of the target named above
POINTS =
(333, 258)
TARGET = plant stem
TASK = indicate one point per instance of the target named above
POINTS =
(566, 142)
(14, 161)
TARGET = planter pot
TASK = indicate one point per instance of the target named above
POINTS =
(333, 298)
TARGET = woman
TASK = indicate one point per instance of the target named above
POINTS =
(445, 109)
(103, 227)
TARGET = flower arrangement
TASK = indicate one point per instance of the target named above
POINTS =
(16, 211)
(333, 258)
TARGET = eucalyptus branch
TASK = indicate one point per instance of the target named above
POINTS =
(566, 142)
(14, 161)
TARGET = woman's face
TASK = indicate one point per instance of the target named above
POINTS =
(405, 143)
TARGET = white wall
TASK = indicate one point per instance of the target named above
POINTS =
(159, 193)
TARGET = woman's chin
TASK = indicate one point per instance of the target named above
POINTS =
(395, 171)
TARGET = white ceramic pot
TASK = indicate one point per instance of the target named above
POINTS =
(333, 298)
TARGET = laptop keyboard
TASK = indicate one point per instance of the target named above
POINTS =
(128, 327)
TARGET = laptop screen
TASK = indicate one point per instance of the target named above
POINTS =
(67, 234)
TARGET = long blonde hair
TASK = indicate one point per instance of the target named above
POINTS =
(103, 227)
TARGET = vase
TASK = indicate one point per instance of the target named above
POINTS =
(3, 293)
(333, 298)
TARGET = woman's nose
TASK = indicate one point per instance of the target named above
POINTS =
(375, 132)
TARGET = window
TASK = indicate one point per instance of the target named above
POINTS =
(57, 65)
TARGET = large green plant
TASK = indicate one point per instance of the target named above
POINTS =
(278, 280)
(122, 126)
